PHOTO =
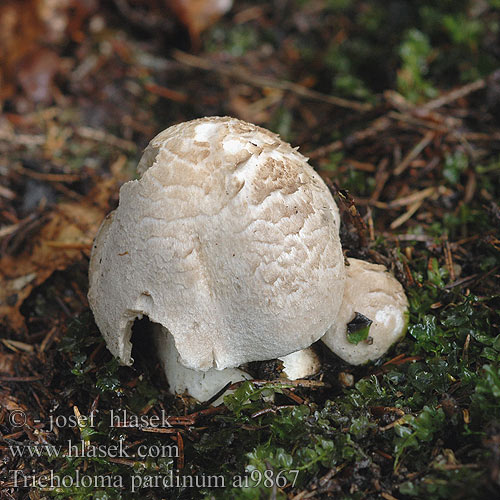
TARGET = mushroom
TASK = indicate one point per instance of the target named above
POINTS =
(199, 384)
(203, 385)
(230, 241)
(373, 315)
(300, 364)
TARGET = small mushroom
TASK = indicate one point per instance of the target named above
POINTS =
(300, 364)
(375, 307)
(230, 241)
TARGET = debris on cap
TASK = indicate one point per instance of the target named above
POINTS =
(373, 315)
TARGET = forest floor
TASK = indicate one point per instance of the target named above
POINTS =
(397, 106)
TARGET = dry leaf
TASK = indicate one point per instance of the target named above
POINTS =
(27, 25)
(21, 414)
(7, 362)
(36, 72)
(70, 227)
(20, 27)
(198, 15)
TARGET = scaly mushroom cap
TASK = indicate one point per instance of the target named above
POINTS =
(229, 240)
(378, 295)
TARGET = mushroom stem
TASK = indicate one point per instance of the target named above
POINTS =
(373, 315)
(201, 385)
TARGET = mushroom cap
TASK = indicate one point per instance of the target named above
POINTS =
(378, 295)
(228, 239)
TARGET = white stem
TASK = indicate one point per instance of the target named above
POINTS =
(201, 385)
(300, 364)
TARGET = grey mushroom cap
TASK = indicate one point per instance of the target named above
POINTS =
(228, 239)
(372, 291)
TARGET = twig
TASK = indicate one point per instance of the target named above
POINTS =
(381, 177)
(412, 198)
(377, 126)
(283, 384)
(387, 496)
(473, 137)
(293, 396)
(454, 95)
(48, 338)
(471, 279)
(383, 454)
(413, 154)
(409, 237)
(7, 193)
(400, 359)
(143, 18)
(157, 430)
(166, 93)
(67, 245)
(381, 410)
(259, 413)
(462, 281)
(243, 75)
(407, 215)
(325, 150)
(213, 410)
(5, 231)
(48, 177)
(417, 121)
(21, 379)
(22, 139)
(16, 345)
(347, 203)
(180, 448)
(123, 461)
(384, 122)
(102, 136)
(449, 260)
(459, 466)
(217, 395)
(392, 424)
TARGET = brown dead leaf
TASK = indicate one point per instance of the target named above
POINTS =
(7, 362)
(198, 15)
(27, 27)
(36, 73)
(58, 244)
(21, 415)
(20, 27)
